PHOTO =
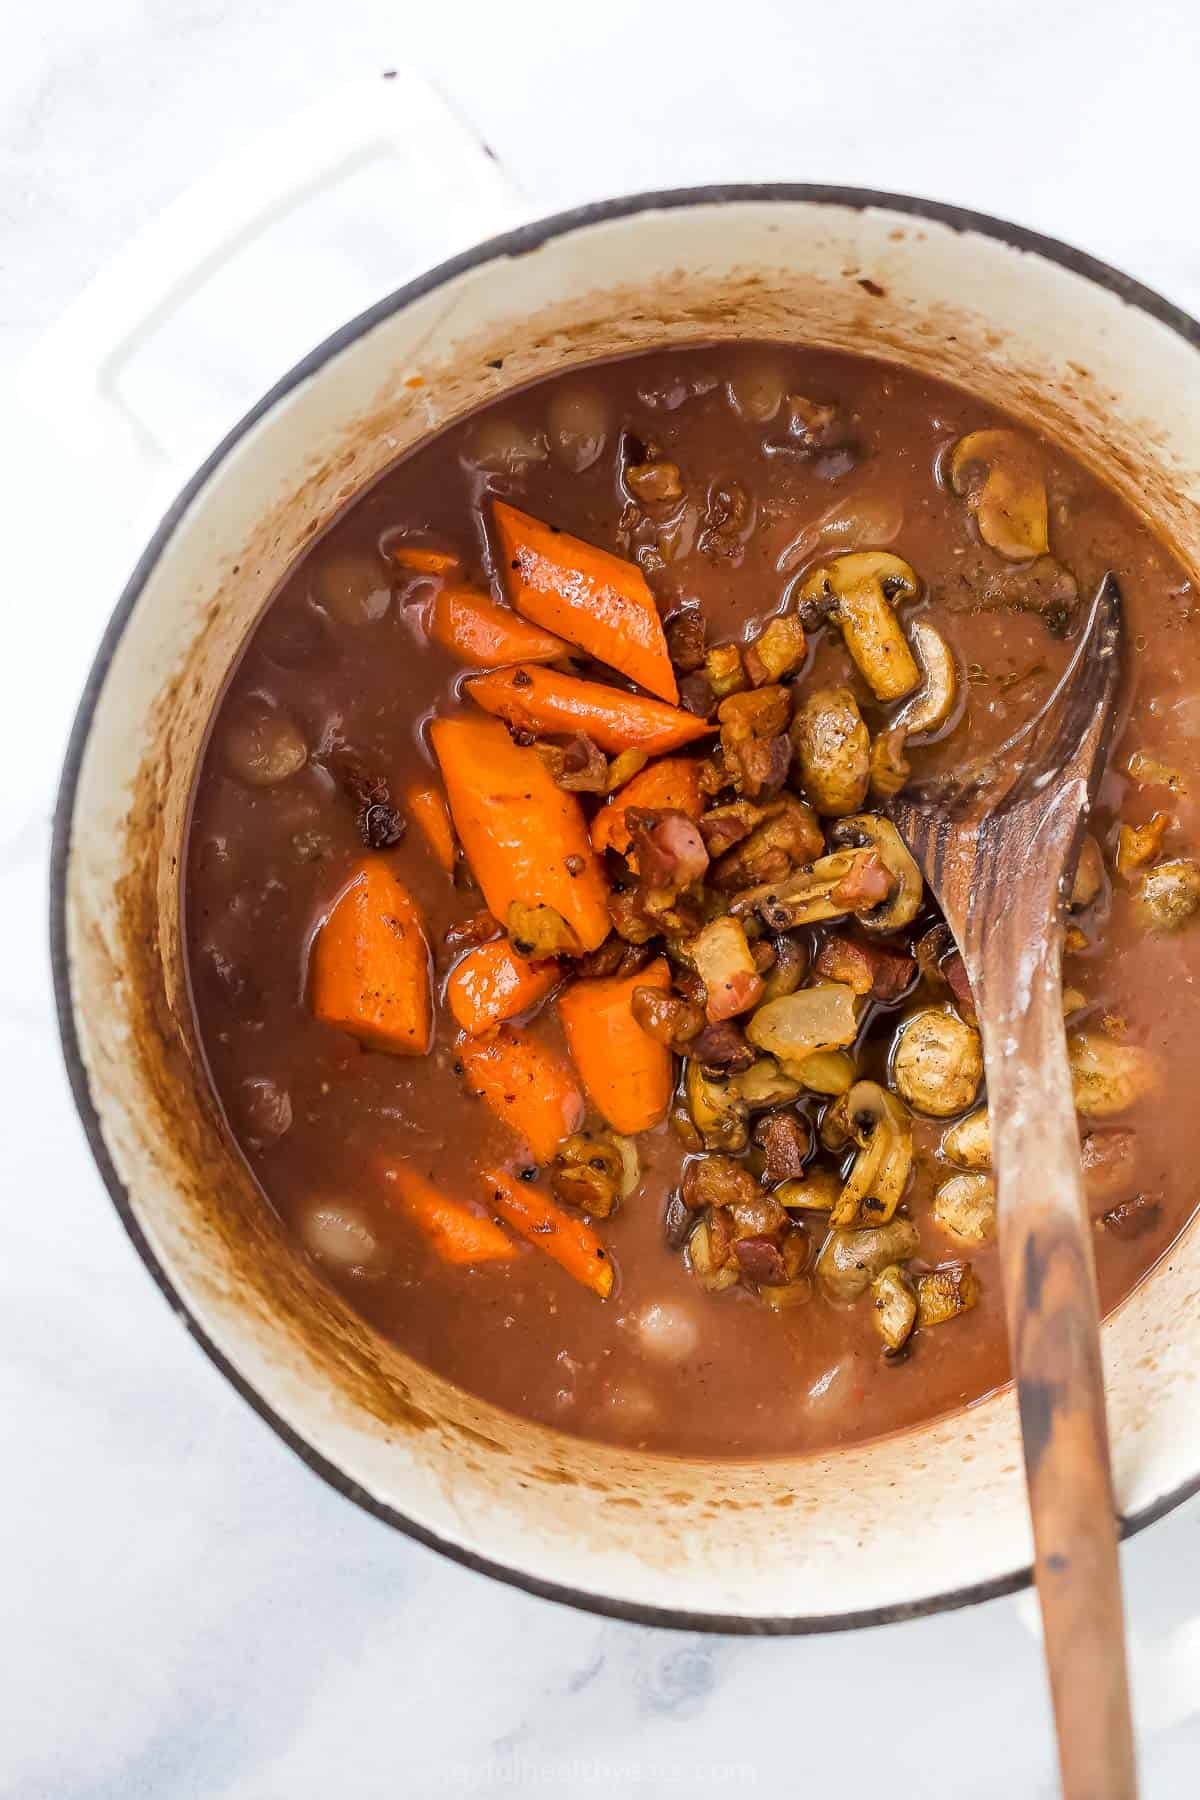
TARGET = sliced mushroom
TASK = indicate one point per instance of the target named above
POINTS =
(965, 1207)
(858, 593)
(816, 1191)
(764, 1084)
(890, 767)
(999, 475)
(825, 1072)
(799, 1024)
(1107, 1077)
(851, 1260)
(787, 1294)
(932, 704)
(895, 1305)
(788, 970)
(716, 1109)
(881, 1128)
(869, 831)
(944, 1293)
(1168, 896)
(831, 749)
(836, 1131)
(851, 881)
(937, 1062)
(969, 1142)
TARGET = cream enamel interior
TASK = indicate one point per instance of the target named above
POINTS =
(888, 1525)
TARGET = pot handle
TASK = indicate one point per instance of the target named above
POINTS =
(70, 380)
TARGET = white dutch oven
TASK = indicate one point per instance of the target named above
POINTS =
(928, 1518)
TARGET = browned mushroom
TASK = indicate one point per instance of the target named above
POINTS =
(858, 593)
(999, 475)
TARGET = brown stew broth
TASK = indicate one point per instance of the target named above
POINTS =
(345, 659)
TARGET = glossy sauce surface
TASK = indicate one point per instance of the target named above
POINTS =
(342, 659)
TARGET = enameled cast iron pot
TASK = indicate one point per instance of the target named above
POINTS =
(929, 1518)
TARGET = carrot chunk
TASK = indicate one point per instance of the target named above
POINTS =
(525, 838)
(428, 807)
(544, 701)
(572, 1243)
(370, 964)
(493, 984)
(627, 1074)
(471, 626)
(420, 560)
(672, 784)
(525, 1086)
(456, 1233)
(596, 600)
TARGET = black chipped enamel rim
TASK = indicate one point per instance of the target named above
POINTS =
(521, 242)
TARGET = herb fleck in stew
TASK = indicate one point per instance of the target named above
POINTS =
(562, 978)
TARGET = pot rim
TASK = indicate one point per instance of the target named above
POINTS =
(520, 242)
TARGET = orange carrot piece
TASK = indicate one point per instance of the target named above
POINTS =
(492, 984)
(673, 783)
(428, 807)
(456, 1233)
(524, 837)
(470, 625)
(422, 561)
(544, 701)
(589, 596)
(628, 1075)
(572, 1243)
(525, 1085)
(370, 964)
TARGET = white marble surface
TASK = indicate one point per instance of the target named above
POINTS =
(184, 1610)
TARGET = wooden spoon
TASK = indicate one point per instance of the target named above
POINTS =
(998, 844)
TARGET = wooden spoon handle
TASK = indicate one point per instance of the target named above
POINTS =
(1050, 1290)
